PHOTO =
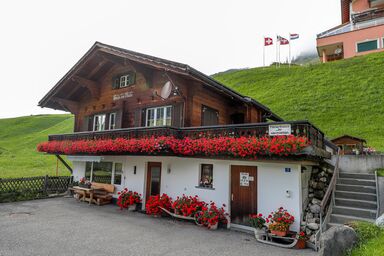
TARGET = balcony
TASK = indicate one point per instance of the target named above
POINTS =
(258, 130)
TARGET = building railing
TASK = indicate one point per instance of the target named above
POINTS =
(368, 15)
(298, 128)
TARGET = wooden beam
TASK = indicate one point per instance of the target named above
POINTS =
(97, 68)
(91, 85)
(70, 105)
(64, 163)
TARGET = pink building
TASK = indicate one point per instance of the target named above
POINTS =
(361, 31)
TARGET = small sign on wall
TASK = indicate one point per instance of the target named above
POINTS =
(279, 129)
(287, 169)
(244, 179)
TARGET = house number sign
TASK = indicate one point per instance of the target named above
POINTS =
(244, 179)
(279, 129)
(122, 96)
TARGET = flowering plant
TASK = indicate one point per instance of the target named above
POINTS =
(127, 198)
(242, 147)
(211, 216)
(154, 202)
(257, 220)
(301, 236)
(187, 205)
(280, 220)
(85, 183)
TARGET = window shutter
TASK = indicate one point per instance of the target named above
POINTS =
(89, 124)
(132, 78)
(143, 117)
(84, 125)
(116, 82)
(137, 118)
(119, 119)
(177, 114)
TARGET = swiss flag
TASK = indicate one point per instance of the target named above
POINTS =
(268, 41)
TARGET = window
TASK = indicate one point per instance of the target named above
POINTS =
(367, 46)
(118, 173)
(102, 172)
(159, 116)
(112, 121)
(209, 116)
(206, 176)
(99, 123)
(124, 80)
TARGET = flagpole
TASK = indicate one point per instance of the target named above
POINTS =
(276, 52)
(264, 53)
(289, 42)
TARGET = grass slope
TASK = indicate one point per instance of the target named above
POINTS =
(342, 97)
(18, 139)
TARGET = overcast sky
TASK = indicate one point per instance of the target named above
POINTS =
(41, 40)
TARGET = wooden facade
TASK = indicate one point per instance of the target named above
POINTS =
(349, 144)
(88, 90)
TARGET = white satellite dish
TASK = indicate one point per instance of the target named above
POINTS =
(166, 90)
(338, 50)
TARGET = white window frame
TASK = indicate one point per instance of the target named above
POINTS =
(113, 172)
(155, 115)
(110, 121)
(123, 81)
(102, 126)
(368, 40)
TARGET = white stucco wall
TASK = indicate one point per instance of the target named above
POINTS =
(273, 181)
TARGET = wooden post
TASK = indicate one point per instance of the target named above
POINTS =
(45, 184)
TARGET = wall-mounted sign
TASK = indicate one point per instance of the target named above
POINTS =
(279, 129)
(251, 178)
(122, 96)
(244, 179)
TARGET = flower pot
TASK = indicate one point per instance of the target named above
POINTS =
(279, 233)
(301, 244)
(132, 207)
(259, 233)
(213, 227)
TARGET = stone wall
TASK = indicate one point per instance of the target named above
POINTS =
(318, 184)
(380, 194)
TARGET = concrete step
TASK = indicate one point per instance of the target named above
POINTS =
(362, 176)
(344, 219)
(349, 181)
(356, 203)
(356, 195)
(353, 211)
(331, 224)
(356, 188)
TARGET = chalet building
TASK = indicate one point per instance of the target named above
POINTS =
(361, 31)
(157, 126)
(350, 145)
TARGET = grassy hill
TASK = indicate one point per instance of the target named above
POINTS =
(18, 139)
(343, 97)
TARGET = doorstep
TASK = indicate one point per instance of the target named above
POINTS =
(241, 228)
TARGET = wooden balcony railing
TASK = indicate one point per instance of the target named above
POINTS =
(368, 15)
(298, 128)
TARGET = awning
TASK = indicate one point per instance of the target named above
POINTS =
(85, 158)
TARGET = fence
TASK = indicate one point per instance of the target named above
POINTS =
(18, 189)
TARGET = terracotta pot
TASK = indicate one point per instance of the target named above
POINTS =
(259, 233)
(301, 244)
(279, 233)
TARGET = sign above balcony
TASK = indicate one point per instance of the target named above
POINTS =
(122, 96)
(279, 129)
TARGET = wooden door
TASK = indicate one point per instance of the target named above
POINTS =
(153, 179)
(243, 193)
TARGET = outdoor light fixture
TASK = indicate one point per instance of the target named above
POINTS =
(134, 169)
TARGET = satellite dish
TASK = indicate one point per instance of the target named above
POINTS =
(166, 90)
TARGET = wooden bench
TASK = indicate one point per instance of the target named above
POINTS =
(102, 192)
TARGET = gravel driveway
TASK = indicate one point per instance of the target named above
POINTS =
(62, 226)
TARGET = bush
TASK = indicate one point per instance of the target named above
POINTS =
(366, 230)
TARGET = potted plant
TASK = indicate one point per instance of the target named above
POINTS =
(128, 199)
(257, 221)
(280, 220)
(212, 216)
(154, 202)
(301, 239)
(84, 183)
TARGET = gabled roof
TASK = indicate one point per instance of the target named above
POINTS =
(351, 137)
(159, 63)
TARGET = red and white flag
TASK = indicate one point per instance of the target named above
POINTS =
(268, 41)
(293, 36)
(282, 40)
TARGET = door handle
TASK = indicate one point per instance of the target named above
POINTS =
(232, 196)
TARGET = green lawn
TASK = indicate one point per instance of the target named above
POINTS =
(371, 240)
(18, 140)
(342, 97)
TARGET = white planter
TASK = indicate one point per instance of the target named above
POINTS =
(214, 227)
(259, 233)
(132, 208)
